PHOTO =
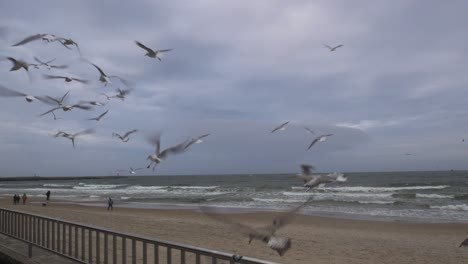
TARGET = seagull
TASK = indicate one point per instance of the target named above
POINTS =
(104, 78)
(18, 64)
(65, 78)
(67, 108)
(197, 140)
(158, 156)
(57, 101)
(125, 137)
(44, 37)
(12, 93)
(133, 171)
(73, 136)
(282, 127)
(311, 181)
(122, 93)
(266, 234)
(96, 103)
(333, 48)
(99, 117)
(152, 53)
(41, 63)
(320, 138)
(464, 243)
(310, 130)
(67, 42)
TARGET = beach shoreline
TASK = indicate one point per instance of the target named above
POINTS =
(323, 239)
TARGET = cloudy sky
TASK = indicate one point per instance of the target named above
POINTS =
(239, 69)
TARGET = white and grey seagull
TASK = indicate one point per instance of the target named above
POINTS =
(104, 78)
(333, 48)
(320, 138)
(311, 181)
(266, 234)
(12, 93)
(70, 42)
(19, 64)
(65, 78)
(133, 171)
(96, 103)
(68, 108)
(58, 102)
(155, 54)
(281, 127)
(99, 118)
(44, 37)
(196, 140)
(125, 137)
(73, 136)
(158, 156)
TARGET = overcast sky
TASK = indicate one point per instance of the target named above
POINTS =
(239, 69)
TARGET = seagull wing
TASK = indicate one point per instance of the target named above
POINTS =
(28, 39)
(51, 110)
(63, 97)
(80, 80)
(46, 76)
(327, 46)
(339, 46)
(39, 61)
(85, 132)
(165, 50)
(83, 107)
(59, 66)
(315, 141)
(103, 114)
(130, 132)
(50, 61)
(99, 69)
(144, 47)
(281, 126)
(179, 148)
(156, 141)
(8, 92)
(307, 169)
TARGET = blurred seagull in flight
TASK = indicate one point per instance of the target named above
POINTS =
(99, 118)
(311, 181)
(266, 234)
(104, 78)
(281, 127)
(65, 78)
(67, 108)
(133, 171)
(333, 48)
(57, 101)
(73, 136)
(155, 54)
(44, 37)
(12, 93)
(309, 130)
(125, 137)
(96, 103)
(19, 64)
(197, 140)
(320, 138)
(158, 156)
(41, 63)
(464, 243)
(69, 42)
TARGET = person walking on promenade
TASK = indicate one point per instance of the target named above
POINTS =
(48, 195)
(24, 198)
(110, 204)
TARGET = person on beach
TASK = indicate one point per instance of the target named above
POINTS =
(24, 198)
(14, 198)
(48, 195)
(110, 204)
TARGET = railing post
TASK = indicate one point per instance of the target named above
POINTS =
(64, 238)
(124, 252)
(90, 246)
(145, 257)
(114, 249)
(70, 240)
(53, 235)
(169, 255)
(29, 250)
(48, 234)
(98, 247)
(133, 251)
(76, 242)
(83, 243)
(156, 254)
(105, 248)
(182, 256)
(43, 232)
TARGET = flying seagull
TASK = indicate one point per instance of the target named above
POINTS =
(59, 102)
(44, 37)
(197, 140)
(266, 234)
(41, 63)
(133, 171)
(281, 127)
(73, 136)
(67, 108)
(333, 48)
(12, 93)
(320, 138)
(69, 42)
(125, 137)
(311, 181)
(155, 54)
(464, 243)
(65, 78)
(19, 64)
(99, 118)
(96, 103)
(104, 78)
(158, 155)
(309, 130)
(56, 118)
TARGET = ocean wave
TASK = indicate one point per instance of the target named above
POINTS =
(404, 195)
(56, 185)
(96, 186)
(273, 200)
(381, 189)
(434, 196)
(376, 202)
(149, 188)
(348, 195)
(461, 197)
(193, 187)
(456, 207)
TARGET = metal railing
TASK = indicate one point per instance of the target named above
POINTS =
(89, 244)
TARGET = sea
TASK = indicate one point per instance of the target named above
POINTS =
(431, 196)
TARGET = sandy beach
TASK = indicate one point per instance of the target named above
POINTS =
(314, 239)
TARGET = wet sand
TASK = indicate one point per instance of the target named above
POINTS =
(314, 239)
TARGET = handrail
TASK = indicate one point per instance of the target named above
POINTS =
(85, 243)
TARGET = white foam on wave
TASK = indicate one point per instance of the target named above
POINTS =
(56, 185)
(193, 187)
(375, 202)
(149, 188)
(456, 207)
(434, 196)
(97, 186)
(124, 198)
(381, 189)
(266, 200)
(337, 195)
